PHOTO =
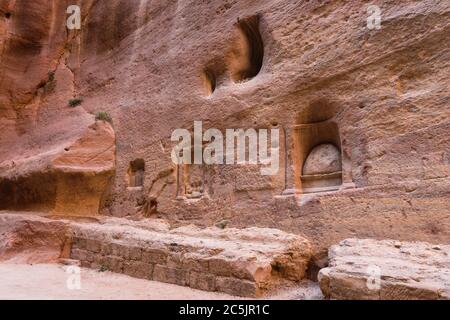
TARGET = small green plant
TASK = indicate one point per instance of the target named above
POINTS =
(104, 116)
(75, 102)
(102, 268)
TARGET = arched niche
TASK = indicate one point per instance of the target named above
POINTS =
(317, 155)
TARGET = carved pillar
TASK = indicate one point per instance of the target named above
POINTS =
(347, 178)
(289, 172)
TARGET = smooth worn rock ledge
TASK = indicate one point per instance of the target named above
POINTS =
(244, 262)
(387, 270)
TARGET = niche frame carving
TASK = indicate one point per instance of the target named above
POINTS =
(306, 137)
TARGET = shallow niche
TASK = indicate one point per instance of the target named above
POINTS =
(318, 156)
(136, 173)
(191, 178)
(213, 75)
(191, 181)
(246, 56)
(209, 81)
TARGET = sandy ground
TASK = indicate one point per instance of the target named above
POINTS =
(49, 281)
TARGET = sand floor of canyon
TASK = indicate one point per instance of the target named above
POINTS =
(49, 281)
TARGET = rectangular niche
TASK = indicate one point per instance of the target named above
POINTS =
(191, 177)
(191, 181)
(317, 157)
(136, 173)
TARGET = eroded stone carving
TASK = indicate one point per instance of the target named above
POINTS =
(193, 181)
(136, 173)
(323, 159)
(322, 170)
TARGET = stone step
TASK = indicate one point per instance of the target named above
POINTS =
(244, 262)
(386, 269)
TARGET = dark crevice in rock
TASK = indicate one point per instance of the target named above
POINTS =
(209, 81)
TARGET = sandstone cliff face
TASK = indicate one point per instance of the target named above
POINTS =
(53, 158)
(312, 69)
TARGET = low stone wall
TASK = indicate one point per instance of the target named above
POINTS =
(245, 262)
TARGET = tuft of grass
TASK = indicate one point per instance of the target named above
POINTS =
(75, 102)
(222, 224)
(102, 268)
(103, 116)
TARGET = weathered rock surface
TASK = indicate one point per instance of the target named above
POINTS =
(73, 181)
(387, 269)
(324, 158)
(85, 170)
(93, 152)
(264, 64)
(32, 239)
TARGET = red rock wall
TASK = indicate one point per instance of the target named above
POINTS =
(144, 63)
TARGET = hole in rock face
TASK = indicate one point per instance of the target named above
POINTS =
(213, 75)
(246, 56)
(209, 81)
(136, 173)
(7, 15)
